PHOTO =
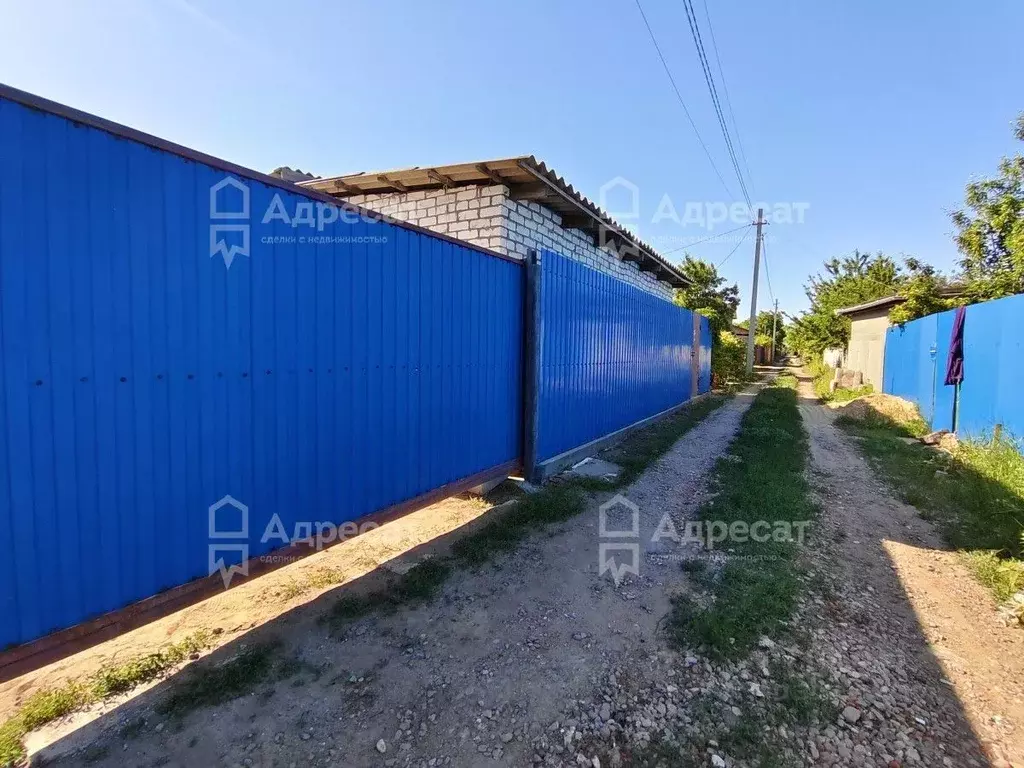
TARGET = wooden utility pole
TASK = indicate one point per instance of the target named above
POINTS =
(775, 319)
(752, 330)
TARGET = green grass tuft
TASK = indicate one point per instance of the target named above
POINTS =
(844, 395)
(48, 705)
(419, 584)
(1002, 575)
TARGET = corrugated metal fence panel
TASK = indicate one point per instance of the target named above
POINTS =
(142, 381)
(993, 368)
(909, 370)
(704, 376)
(611, 355)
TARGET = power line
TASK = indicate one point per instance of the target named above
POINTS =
(705, 240)
(735, 247)
(691, 17)
(725, 90)
(679, 96)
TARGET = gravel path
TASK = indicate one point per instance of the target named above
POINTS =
(481, 676)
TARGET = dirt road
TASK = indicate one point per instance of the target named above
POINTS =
(918, 639)
(536, 658)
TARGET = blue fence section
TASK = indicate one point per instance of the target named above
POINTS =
(704, 371)
(911, 361)
(915, 367)
(611, 355)
(316, 374)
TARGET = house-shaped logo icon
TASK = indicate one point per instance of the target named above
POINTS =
(229, 200)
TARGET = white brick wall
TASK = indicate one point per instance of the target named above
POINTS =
(488, 217)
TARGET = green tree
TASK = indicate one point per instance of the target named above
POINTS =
(926, 291)
(990, 231)
(709, 295)
(764, 329)
(845, 282)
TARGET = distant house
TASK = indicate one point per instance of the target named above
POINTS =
(865, 351)
(762, 354)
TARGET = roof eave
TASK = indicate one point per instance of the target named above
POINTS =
(513, 172)
(888, 301)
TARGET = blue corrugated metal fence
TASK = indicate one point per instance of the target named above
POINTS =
(612, 354)
(915, 367)
(185, 356)
(142, 380)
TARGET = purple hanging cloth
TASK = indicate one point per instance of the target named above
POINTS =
(955, 360)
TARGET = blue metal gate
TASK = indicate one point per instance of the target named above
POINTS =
(915, 367)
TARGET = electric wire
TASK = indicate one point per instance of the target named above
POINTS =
(728, 99)
(705, 240)
(735, 247)
(679, 96)
(691, 17)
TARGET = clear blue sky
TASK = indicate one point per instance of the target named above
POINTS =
(875, 113)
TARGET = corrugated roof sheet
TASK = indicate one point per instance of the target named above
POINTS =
(887, 301)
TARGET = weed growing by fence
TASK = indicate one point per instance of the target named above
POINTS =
(48, 705)
(758, 587)
(975, 495)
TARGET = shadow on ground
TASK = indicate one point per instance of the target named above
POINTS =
(906, 589)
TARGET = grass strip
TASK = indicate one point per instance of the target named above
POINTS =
(762, 479)
(50, 704)
(974, 495)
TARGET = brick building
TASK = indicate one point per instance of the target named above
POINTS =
(509, 206)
